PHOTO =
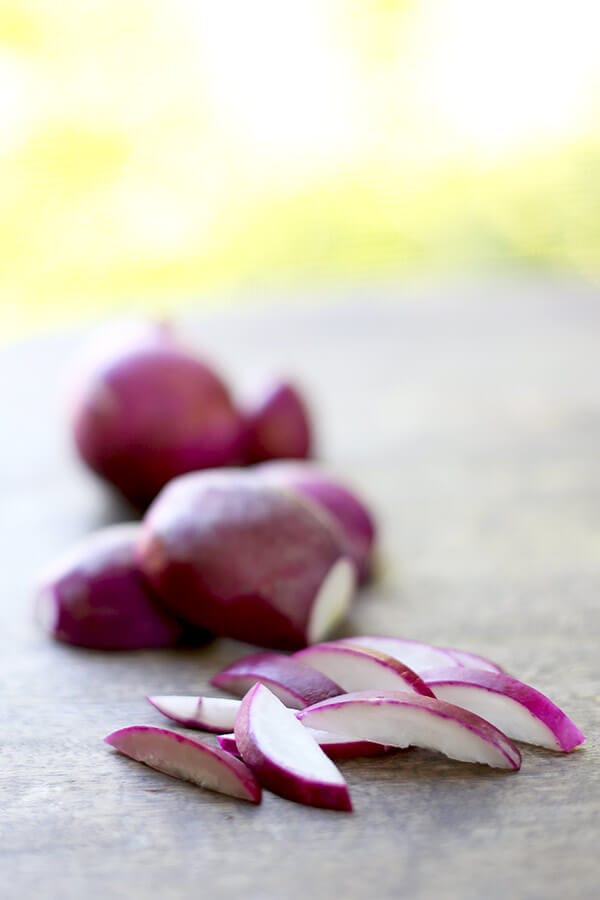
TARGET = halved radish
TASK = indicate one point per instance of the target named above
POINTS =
(186, 758)
(216, 714)
(421, 656)
(284, 756)
(336, 746)
(296, 685)
(520, 711)
(358, 668)
(401, 720)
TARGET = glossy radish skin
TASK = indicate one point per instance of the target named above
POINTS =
(95, 596)
(520, 711)
(294, 684)
(358, 668)
(399, 719)
(284, 756)
(245, 560)
(335, 746)
(216, 714)
(356, 523)
(147, 409)
(278, 425)
(188, 759)
(421, 656)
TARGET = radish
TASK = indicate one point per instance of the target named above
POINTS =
(296, 685)
(335, 746)
(284, 756)
(186, 758)
(421, 656)
(520, 711)
(95, 596)
(352, 516)
(399, 719)
(278, 425)
(145, 409)
(245, 560)
(216, 714)
(358, 668)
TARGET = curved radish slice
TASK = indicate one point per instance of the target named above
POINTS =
(294, 684)
(216, 714)
(186, 758)
(358, 668)
(336, 746)
(402, 720)
(520, 711)
(421, 656)
(284, 756)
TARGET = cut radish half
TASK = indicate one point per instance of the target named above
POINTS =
(358, 668)
(336, 746)
(296, 685)
(216, 714)
(421, 656)
(186, 758)
(402, 720)
(520, 711)
(284, 756)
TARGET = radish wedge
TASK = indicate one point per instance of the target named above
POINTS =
(520, 711)
(284, 756)
(216, 714)
(336, 746)
(421, 656)
(186, 758)
(294, 684)
(358, 668)
(402, 720)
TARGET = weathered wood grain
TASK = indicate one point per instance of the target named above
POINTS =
(471, 418)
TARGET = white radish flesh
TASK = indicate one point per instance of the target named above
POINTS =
(216, 714)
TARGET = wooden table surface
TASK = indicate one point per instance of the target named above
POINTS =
(471, 418)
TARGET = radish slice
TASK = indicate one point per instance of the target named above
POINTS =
(358, 668)
(296, 685)
(520, 711)
(186, 758)
(285, 757)
(215, 714)
(403, 720)
(336, 746)
(421, 656)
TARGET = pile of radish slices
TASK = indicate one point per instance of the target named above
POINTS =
(360, 696)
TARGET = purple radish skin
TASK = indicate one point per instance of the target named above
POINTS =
(215, 714)
(188, 759)
(520, 711)
(278, 425)
(358, 668)
(293, 683)
(421, 656)
(284, 756)
(399, 719)
(335, 746)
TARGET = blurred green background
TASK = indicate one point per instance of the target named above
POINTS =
(155, 150)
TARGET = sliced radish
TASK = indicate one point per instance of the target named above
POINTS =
(402, 720)
(520, 711)
(215, 714)
(358, 668)
(336, 746)
(285, 757)
(186, 758)
(421, 656)
(296, 685)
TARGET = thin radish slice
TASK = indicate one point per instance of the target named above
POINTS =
(336, 746)
(402, 720)
(358, 668)
(216, 714)
(520, 711)
(186, 758)
(294, 684)
(421, 656)
(284, 756)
